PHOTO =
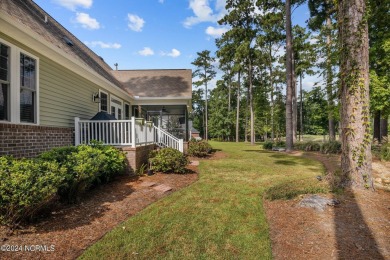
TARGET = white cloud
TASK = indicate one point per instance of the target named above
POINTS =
(173, 53)
(161, 1)
(216, 32)
(135, 22)
(87, 22)
(146, 51)
(104, 45)
(73, 4)
(204, 13)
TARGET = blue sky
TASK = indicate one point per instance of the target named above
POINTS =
(146, 34)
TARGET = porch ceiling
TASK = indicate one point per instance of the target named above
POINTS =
(169, 109)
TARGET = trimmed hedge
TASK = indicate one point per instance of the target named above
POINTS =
(26, 187)
(86, 165)
(199, 148)
(29, 185)
(269, 145)
(168, 160)
(307, 146)
(331, 147)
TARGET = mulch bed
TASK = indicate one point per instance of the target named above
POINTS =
(358, 228)
(70, 229)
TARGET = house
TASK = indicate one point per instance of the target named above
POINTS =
(52, 84)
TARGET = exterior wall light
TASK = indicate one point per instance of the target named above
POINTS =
(96, 98)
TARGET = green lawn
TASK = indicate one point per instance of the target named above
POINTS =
(220, 216)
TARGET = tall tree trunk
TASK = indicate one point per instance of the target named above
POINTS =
(206, 116)
(238, 108)
(384, 128)
(246, 115)
(356, 161)
(272, 94)
(229, 106)
(294, 100)
(301, 109)
(289, 70)
(252, 113)
(377, 126)
(329, 80)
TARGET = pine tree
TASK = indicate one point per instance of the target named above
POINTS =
(354, 83)
(205, 72)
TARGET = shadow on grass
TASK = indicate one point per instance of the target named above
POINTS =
(286, 162)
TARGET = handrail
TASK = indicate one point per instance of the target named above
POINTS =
(124, 132)
(166, 139)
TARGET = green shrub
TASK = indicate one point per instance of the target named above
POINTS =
(280, 144)
(113, 162)
(59, 155)
(83, 169)
(385, 152)
(199, 148)
(169, 160)
(267, 145)
(85, 165)
(26, 187)
(331, 147)
(307, 146)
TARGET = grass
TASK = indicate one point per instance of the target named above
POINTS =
(220, 216)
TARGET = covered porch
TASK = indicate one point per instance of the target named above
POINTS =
(170, 118)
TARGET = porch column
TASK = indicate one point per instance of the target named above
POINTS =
(76, 131)
(187, 138)
(133, 131)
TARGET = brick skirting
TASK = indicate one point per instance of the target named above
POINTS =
(136, 156)
(30, 140)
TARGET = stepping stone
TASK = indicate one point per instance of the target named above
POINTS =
(162, 188)
(194, 163)
(148, 184)
(317, 202)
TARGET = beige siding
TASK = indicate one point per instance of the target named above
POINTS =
(64, 95)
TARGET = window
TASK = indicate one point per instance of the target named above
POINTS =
(116, 107)
(4, 81)
(19, 85)
(27, 88)
(127, 111)
(103, 101)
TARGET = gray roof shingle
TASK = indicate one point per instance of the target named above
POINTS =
(175, 83)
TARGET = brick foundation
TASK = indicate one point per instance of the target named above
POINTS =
(137, 156)
(30, 140)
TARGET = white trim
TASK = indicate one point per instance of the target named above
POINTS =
(124, 110)
(14, 84)
(117, 106)
(118, 99)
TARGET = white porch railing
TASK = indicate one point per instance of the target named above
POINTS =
(124, 132)
(165, 139)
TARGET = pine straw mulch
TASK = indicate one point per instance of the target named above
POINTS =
(358, 228)
(72, 228)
